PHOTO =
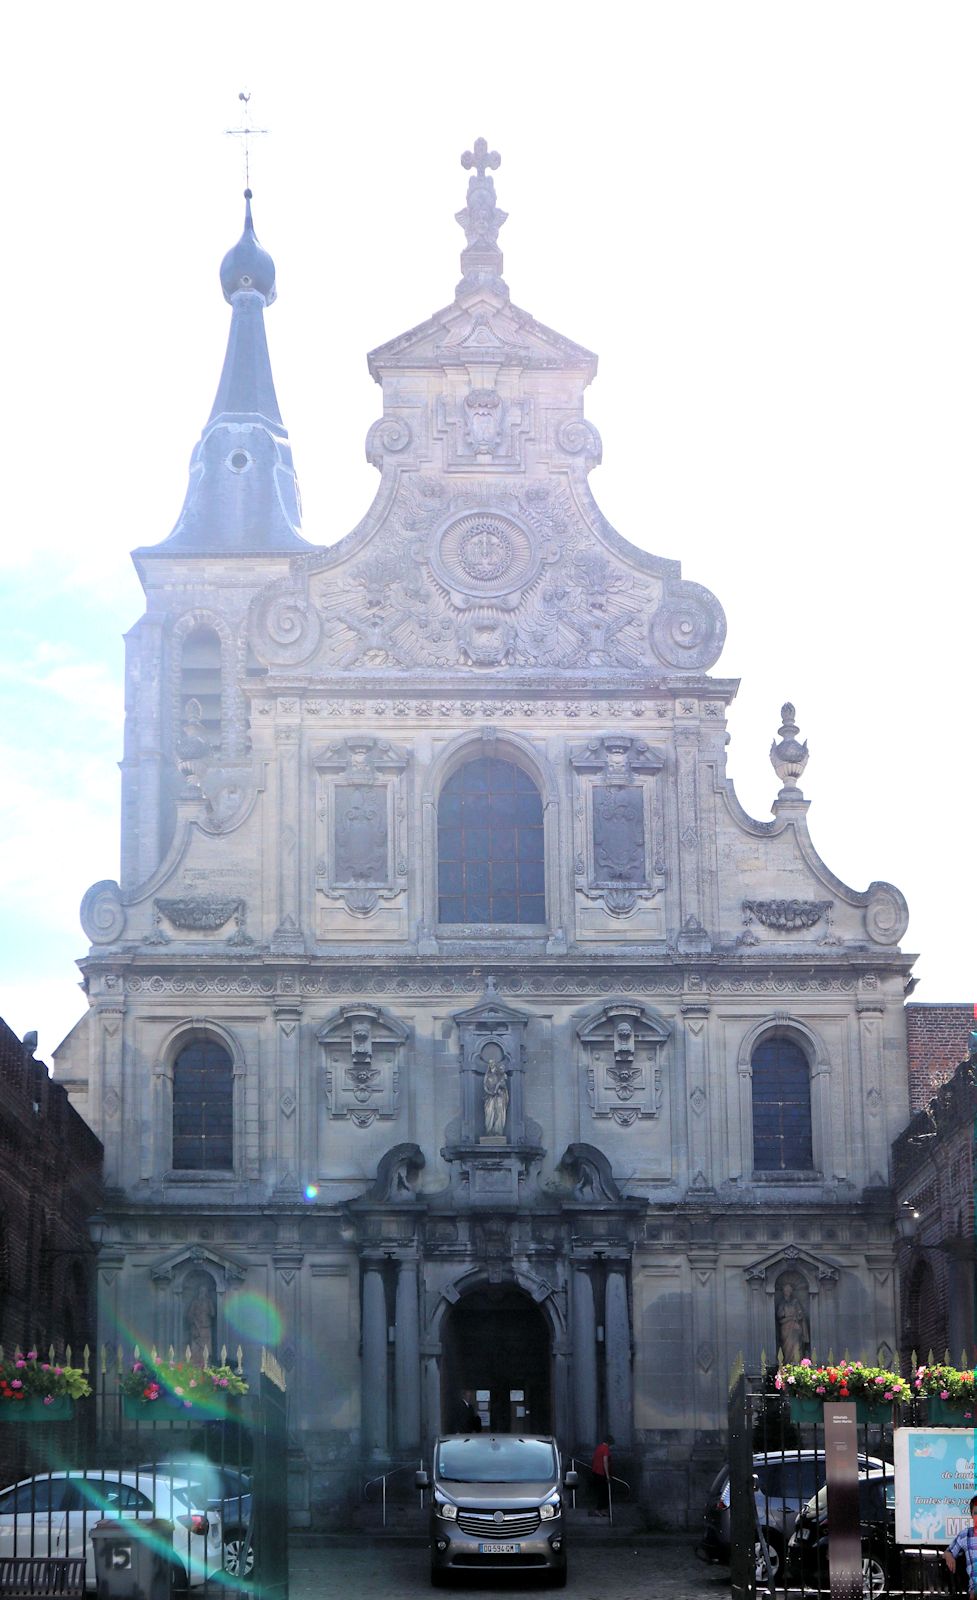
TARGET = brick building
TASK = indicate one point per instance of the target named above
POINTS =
(937, 1040)
(50, 1184)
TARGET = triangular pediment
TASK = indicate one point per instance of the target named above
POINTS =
(483, 326)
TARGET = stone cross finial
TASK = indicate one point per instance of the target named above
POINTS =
(481, 219)
(480, 158)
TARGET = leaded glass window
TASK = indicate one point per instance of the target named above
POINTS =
(490, 845)
(781, 1107)
(203, 1108)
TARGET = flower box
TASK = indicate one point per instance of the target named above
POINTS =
(805, 1408)
(951, 1413)
(170, 1410)
(61, 1408)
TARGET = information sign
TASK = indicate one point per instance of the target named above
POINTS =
(934, 1483)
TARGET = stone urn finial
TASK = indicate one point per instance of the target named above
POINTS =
(789, 757)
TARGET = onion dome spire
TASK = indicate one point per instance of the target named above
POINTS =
(243, 495)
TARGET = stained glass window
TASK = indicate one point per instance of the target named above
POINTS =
(781, 1107)
(490, 845)
(203, 1108)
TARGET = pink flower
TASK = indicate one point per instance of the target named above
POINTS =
(806, 1361)
(819, 1389)
(887, 1395)
(778, 1382)
(944, 1394)
(790, 1378)
(15, 1383)
(49, 1399)
(32, 1355)
(880, 1380)
(137, 1366)
(20, 1363)
(58, 1371)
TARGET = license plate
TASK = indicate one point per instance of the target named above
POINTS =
(493, 1548)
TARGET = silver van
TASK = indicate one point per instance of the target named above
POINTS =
(497, 1503)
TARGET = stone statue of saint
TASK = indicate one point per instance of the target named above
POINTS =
(793, 1329)
(201, 1313)
(495, 1088)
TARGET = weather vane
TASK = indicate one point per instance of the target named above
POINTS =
(246, 132)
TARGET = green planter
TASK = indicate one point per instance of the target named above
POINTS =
(170, 1410)
(878, 1411)
(951, 1413)
(806, 1408)
(61, 1409)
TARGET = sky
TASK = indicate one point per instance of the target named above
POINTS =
(762, 215)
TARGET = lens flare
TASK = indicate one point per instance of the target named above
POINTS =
(253, 1317)
(312, 1191)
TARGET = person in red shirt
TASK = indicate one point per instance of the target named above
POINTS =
(600, 1466)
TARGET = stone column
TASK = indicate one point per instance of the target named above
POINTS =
(617, 1354)
(407, 1393)
(287, 1159)
(288, 934)
(432, 1394)
(373, 1386)
(686, 755)
(584, 1357)
(695, 1015)
(149, 740)
(875, 1167)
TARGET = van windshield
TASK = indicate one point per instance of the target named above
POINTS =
(491, 1459)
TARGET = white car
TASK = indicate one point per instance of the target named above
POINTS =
(54, 1513)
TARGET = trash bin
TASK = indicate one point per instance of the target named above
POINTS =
(134, 1560)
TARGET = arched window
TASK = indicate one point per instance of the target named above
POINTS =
(200, 684)
(781, 1107)
(203, 1108)
(490, 845)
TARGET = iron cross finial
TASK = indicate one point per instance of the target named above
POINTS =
(480, 158)
(245, 132)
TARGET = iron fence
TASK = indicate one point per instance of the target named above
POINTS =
(768, 1515)
(207, 1467)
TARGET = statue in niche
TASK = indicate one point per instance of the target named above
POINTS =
(790, 1310)
(361, 834)
(201, 1316)
(495, 1089)
(619, 835)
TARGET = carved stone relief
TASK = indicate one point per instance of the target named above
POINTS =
(623, 1047)
(361, 855)
(362, 1049)
(618, 822)
(483, 427)
(483, 574)
(200, 913)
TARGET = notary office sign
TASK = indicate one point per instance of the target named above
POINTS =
(935, 1479)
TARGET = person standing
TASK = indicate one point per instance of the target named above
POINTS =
(965, 1544)
(600, 1466)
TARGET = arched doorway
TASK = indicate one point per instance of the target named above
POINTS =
(496, 1346)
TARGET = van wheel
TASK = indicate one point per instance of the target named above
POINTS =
(874, 1579)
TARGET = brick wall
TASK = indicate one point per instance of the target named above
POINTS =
(50, 1183)
(938, 1037)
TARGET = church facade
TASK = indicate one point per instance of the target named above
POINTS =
(451, 1025)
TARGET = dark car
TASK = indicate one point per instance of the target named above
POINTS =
(785, 1480)
(497, 1504)
(226, 1490)
(885, 1564)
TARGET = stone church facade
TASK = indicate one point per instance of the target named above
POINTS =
(451, 1023)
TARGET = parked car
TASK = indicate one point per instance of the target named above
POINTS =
(54, 1513)
(784, 1481)
(885, 1564)
(497, 1503)
(227, 1491)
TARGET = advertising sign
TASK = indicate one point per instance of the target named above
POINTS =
(934, 1483)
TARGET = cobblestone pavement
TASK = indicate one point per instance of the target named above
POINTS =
(666, 1569)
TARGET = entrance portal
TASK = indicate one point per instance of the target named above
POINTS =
(496, 1347)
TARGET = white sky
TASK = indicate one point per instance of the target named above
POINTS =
(760, 215)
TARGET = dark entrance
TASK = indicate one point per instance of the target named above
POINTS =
(496, 1345)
